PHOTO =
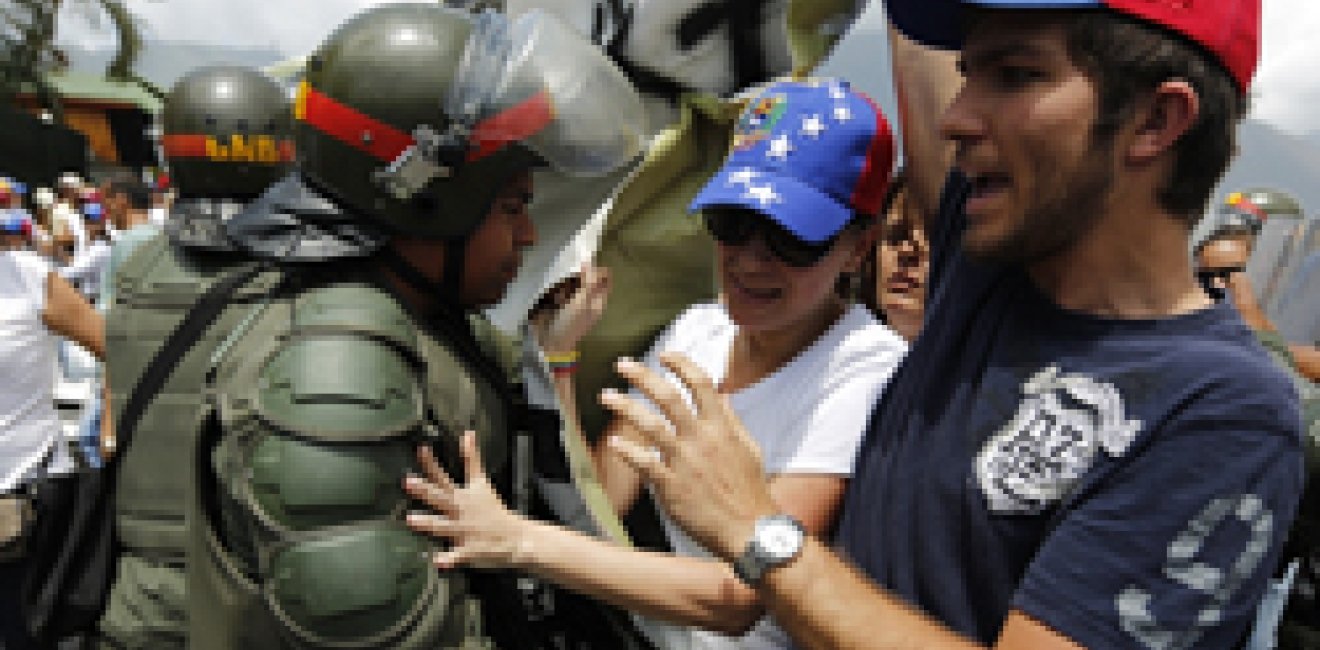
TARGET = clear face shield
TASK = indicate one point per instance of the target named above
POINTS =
(532, 81)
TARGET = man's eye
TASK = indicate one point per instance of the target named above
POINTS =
(1014, 75)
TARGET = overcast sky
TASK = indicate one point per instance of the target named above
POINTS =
(1287, 87)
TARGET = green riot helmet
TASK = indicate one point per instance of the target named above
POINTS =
(1248, 210)
(1265, 203)
(227, 133)
(415, 115)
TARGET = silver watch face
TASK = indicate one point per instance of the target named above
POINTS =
(779, 538)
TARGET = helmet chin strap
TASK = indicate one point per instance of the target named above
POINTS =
(447, 290)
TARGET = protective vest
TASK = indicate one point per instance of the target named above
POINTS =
(319, 399)
(147, 604)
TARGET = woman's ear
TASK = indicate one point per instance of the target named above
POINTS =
(1170, 112)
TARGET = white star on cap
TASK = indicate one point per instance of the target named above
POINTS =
(764, 194)
(813, 126)
(743, 176)
(842, 113)
(780, 147)
(837, 92)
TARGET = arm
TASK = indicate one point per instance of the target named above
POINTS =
(688, 591)
(1307, 360)
(925, 82)
(72, 317)
(1150, 574)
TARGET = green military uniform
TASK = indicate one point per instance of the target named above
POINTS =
(297, 415)
(153, 288)
(1300, 626)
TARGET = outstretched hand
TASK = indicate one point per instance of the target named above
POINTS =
(482, 531)
(700, 461)
(571, 309)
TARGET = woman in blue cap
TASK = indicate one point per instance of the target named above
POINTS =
(792, 214)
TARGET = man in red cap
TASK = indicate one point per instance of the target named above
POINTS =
(1082, 449)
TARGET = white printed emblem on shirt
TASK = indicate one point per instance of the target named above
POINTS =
(1039, 455)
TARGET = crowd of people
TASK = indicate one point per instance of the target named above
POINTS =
(996, 398)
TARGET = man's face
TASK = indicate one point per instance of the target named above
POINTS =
(1221, 257)
(116, 208)
(1023, 125)
(494, 252)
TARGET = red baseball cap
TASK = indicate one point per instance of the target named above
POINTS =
(1228, 29)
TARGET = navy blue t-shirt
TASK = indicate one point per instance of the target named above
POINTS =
(1126, 482)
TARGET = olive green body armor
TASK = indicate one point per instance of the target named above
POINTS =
(320, 399)
(153, 289)
(260, 502)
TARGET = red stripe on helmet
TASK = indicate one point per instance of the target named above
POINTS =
(385, 142)
(184, 146)
(513, 124)
(352, 127)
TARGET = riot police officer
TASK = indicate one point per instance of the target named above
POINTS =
(227, 136)
(349, 335)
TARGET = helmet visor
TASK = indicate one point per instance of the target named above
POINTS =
(536, 81)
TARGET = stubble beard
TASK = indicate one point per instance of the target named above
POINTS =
(1054, 225)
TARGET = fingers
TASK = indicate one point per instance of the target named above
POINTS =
(705, 397)
(440, 499)
(648, 461)
(431, 467)
(649, 425)
(476, 470)
(659, 390)
(432, 524)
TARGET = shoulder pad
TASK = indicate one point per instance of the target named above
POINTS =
(348, 370)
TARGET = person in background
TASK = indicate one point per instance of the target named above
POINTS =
(87, 268)
(37, 309)
(894, 277)
(1289, 616)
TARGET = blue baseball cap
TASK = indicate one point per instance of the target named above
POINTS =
(13, 224)
(807, 154)
(1229, 30)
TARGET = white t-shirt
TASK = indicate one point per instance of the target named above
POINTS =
(87, 270)
(29, 426)
(808, 417)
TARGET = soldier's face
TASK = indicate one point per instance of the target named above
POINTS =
(494, 251)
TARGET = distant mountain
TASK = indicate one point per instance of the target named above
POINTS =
(1271, 157)
(163, 62)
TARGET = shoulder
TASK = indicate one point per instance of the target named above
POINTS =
(33, 268)
(1232, 381)
(860, 343)
(698, 323)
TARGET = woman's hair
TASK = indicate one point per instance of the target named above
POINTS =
(864, 289)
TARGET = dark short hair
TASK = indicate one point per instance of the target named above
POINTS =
(139, 197)
(1128, 58)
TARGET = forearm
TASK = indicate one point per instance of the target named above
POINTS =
(1307, 360)
(925, 82)
(825, 604)
(686, 591)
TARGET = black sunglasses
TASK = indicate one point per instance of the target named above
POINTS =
(737, 227)
(1223, 273)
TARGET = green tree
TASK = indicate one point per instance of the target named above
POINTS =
(28, 53)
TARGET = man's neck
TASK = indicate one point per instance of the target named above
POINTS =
(1133, 264)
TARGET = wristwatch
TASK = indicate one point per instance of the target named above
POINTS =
(776, 540)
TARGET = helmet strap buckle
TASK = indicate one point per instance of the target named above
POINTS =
(432, 155)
